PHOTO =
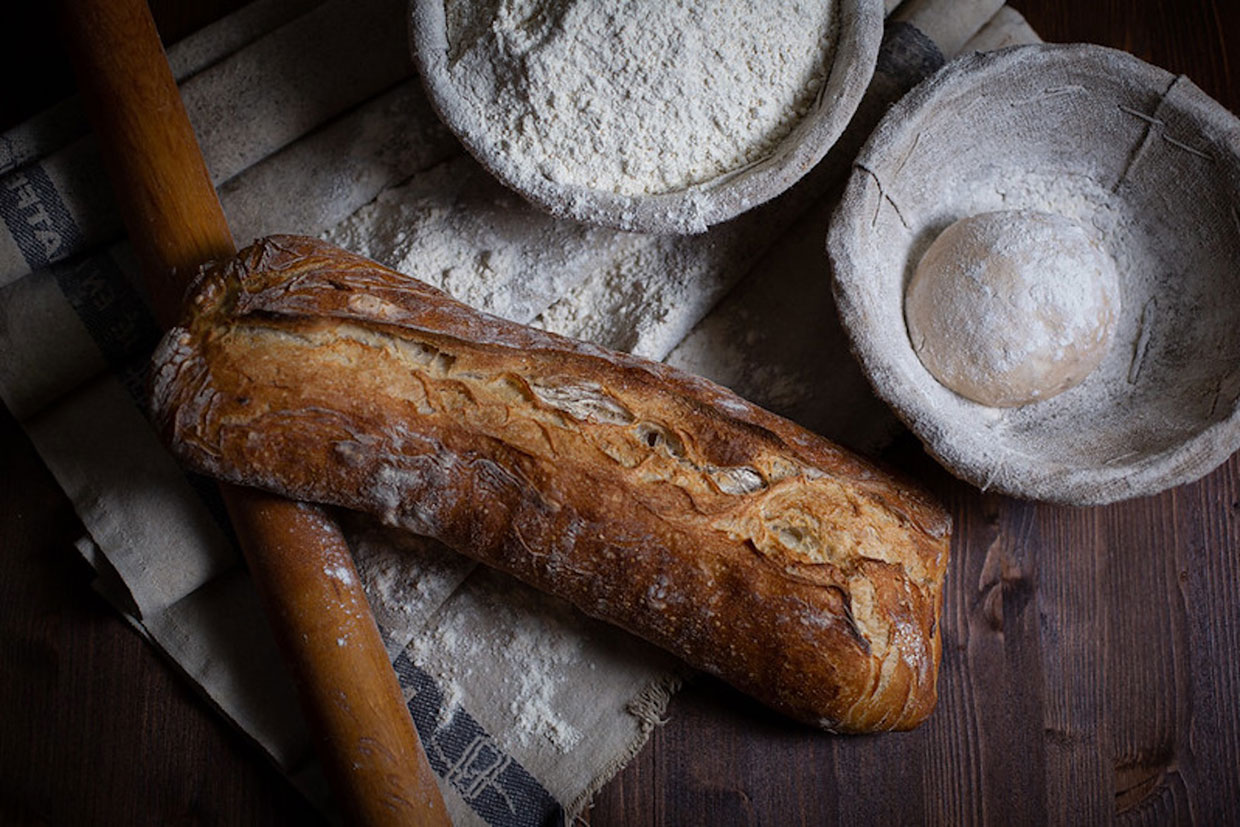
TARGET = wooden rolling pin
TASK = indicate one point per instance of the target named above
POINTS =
(299, 561)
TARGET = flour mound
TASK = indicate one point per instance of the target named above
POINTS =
(638, 96)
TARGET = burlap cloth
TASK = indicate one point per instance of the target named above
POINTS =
(311, 122)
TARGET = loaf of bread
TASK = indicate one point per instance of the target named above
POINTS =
(658, 501)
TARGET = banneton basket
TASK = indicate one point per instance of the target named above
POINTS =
(1142, 157)
(857, 36)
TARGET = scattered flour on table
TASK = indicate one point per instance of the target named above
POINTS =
(637, 96)
(406, 577)
(493, 632)
(458, 229)
(531, 640)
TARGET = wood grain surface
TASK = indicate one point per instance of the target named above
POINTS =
(1091, 667)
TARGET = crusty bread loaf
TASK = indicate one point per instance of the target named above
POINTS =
(656, 500)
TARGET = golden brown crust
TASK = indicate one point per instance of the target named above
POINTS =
(653, 499)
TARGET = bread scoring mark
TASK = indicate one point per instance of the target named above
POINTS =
(808, 528)
(862, 608)
(585, 401)
(432, 359)
(660, 439)
(371, 305)
(738, 480)
(814, 520)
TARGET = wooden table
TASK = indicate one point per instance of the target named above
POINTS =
(1091, 657)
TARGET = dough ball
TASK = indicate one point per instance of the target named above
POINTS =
(1012, 307)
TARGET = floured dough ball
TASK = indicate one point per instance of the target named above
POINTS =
(1012, 307)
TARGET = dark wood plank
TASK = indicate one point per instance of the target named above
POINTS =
(991, 675)
(1194, 37)
(1073, 648)
(1147, 667)
(1207, 579)
(1091, 656)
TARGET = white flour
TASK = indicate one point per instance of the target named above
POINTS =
(402, 598)
(457, 228)
(640, 96)
(531, 641)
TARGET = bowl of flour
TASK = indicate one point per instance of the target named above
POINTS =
(1036, 260)
(660, 116)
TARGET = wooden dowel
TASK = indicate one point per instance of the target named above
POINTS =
(299, 560)
(304, 573)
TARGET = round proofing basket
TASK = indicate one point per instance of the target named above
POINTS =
(859, 27)
(1146, 161)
